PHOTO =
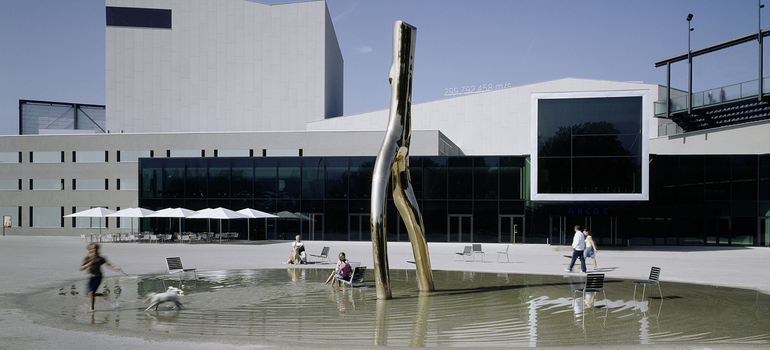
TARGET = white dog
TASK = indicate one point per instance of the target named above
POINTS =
(171, 295)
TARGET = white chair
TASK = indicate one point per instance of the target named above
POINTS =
(499, 254)
(477, 250)
(82, 238)
(466, 253)
(154, 238)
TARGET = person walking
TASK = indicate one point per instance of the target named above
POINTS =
(93, 262)
(590, 247)
(578, 246)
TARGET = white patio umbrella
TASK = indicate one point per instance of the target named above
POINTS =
(132, 213)
(97, 212)
(287, 215)
(254, 214)
(208, 222)
(174, 213)
(221, 214)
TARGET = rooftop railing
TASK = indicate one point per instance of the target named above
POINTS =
(715, 96)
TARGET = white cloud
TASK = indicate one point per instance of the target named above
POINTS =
(364, 49)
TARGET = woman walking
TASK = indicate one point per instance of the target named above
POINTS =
(590, 248)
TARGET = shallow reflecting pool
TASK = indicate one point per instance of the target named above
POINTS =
(469, 309)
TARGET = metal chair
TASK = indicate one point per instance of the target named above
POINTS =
(324, 254)
(594, 283)
(174, 265)
(466, 253)
(477, 249)
(653, 280)
(499, 254)
(356, 276)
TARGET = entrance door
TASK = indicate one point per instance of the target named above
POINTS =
(764, 232)
(718, 230)
(359, 227)
(312, 226)
(460, 227)
(511, 228)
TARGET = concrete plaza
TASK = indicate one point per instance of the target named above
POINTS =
(30, 264)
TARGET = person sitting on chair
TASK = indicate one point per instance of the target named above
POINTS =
(337, 269)
(297, 249)
(343, 270)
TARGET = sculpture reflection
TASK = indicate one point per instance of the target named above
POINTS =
(393, 160)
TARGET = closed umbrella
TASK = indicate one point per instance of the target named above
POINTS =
(132, 213)
(97, 212)
(221, 214)
(254, 214)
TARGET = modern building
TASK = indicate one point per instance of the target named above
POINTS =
(239, 104)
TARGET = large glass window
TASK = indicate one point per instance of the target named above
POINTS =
(434, 184)
(151, 171)
(313, 177)
(361, 172)
(336, 177)
(173, 178)
(485, 173)
(242, 178)
(265, 173)
(592, 145)
(289, 178)
(46, 217)
(460, 178)
(128, 184)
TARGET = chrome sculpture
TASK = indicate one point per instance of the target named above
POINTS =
(393, 160)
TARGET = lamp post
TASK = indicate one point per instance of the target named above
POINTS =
(759, 39)
(689, 62)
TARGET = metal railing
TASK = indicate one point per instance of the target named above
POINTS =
(715, 96)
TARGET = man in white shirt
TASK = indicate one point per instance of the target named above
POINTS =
(578, 246)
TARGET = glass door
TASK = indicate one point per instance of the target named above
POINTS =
(359, 227)
(718, 230)
(764, 232)
(460, 228)
(312, 226)
(510, 228)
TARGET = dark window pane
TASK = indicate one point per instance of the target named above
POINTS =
(219, 177)
(607, 175)
(554, 175)
(138, 17)
(361, 169)
(336, 177)
(610, 115)
(265, 178)
(553, 129)
(435, 220)
(336, 220)
(744, 177)
(485, 221)
(607, 145)
(289, 178)
(415, 174)
(512, 177)
(718, 177)
(313, 177)
(485, 173)
(691, 178)
(173, 176)
(151, 179)
(764, 177)
(242, 178)
(460, 177)
(434, 177)
(663, 177)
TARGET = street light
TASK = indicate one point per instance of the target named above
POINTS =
(689, 62)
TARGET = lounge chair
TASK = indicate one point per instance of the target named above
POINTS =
(324, 254)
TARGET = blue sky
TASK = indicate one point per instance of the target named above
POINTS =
(54, 50)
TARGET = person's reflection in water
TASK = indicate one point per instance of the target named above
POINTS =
(296, 275)
(421, 316)
(382, 321)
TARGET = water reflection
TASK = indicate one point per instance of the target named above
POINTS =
(479, 309)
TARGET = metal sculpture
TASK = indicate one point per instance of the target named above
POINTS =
(393, 160)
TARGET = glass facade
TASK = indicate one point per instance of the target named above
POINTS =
(695, 200)
(579, 138)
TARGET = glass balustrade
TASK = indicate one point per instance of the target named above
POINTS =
(715, 96)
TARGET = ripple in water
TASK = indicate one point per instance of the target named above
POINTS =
(469, 309)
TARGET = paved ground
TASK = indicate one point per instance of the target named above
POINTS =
(29, 264)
